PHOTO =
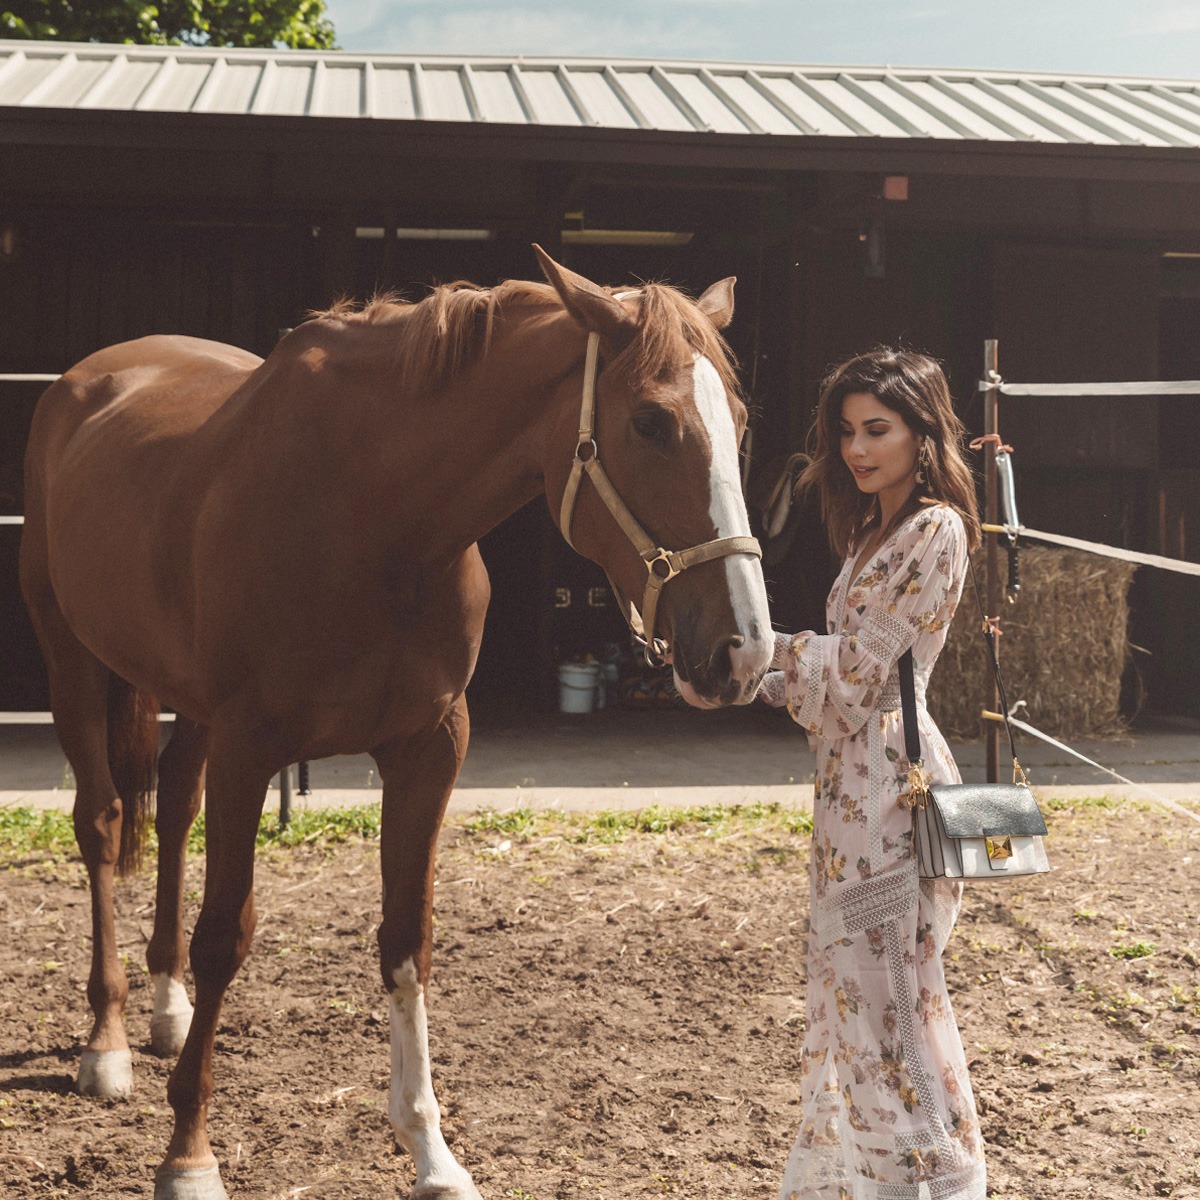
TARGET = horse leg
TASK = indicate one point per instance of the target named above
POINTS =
(417, 778)
(237, 787)
(79, 685)
(180, 790)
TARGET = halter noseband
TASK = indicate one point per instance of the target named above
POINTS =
(661, 565)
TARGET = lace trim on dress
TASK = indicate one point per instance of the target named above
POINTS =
(885, 636)
(970, 1184)
(877, 758)
(781, 651)
(889, 695)
(808, 711)
(866, 904)
(915, 1064)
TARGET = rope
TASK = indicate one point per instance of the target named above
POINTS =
(981, 441)
(1151, 387)
(1181, 565)
(1025, 727)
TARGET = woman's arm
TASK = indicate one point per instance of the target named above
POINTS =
(831, 683)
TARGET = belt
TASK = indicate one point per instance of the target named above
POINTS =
(889, 696)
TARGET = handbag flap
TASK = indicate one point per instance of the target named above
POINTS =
(972, 810)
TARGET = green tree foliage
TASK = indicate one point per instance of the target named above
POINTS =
(299, 24)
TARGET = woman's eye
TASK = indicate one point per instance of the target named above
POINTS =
(878, 432)
(651, 425)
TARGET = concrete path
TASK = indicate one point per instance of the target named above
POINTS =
(622, 759)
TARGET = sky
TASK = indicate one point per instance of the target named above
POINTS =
(1110, 37)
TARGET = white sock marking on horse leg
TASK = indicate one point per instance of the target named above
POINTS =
(412, 1105)
(172, 1016)
(727, 507)
(105, 1073)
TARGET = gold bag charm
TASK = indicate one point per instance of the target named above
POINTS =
(918, 786)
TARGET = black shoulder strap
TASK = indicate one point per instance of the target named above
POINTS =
(908, 706)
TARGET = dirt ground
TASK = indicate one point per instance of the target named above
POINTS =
(619, 1018)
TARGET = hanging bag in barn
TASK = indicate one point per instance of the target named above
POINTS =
(970, 830)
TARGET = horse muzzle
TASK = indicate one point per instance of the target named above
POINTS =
(728, 675)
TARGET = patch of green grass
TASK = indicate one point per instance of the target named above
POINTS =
(657, 820)
(520, 823)
(1133, 950)
(26, 831)
(51, 834)
(321, 826)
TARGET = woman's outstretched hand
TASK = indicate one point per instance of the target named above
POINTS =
(771, 691)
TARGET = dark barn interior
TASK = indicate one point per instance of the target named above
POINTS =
(1082, 260)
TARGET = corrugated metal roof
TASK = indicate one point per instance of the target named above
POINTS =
(730, 98)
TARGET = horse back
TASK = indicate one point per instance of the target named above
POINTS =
(165, 384)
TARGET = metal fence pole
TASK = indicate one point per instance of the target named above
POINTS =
(991, 426)
(285, 796)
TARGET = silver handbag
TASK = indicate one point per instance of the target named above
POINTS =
(970, 830)
(979, 831)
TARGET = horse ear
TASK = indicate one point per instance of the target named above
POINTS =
(591, 306)
(717, 303)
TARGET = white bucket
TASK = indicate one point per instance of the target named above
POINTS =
(577, 687)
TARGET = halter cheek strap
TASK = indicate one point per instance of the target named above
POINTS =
(661, 565)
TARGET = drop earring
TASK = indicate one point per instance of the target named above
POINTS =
(922, 462)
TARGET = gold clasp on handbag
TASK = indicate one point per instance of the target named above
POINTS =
(999, 848)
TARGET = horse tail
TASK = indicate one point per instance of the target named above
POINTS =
(133, 764)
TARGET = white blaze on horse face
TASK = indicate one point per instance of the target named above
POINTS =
(727, 507)
(412, 1105)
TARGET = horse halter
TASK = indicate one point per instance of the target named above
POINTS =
(661, 565)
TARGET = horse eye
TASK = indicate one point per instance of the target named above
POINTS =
(651, 424)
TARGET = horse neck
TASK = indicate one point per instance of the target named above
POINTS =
(459, 458)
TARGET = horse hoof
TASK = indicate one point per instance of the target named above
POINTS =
(172, 1016)
(444, 1191)
(106, 1073)
(201, 1184)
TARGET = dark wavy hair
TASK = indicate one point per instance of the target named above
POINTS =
(914, 386)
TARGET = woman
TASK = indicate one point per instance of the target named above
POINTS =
(888, 1109)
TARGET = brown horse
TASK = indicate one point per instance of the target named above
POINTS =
(284, 551)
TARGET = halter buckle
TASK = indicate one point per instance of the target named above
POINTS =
(587, 443)
(664, 557)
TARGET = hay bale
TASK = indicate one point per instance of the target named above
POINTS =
(1063, 652)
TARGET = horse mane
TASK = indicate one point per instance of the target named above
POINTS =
(446, 332)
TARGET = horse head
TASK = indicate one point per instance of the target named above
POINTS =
(645, 479)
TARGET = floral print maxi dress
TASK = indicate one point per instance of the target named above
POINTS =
(888, 1109)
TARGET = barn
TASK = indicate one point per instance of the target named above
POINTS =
(225, 193)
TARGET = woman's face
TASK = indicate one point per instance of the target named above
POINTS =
(879, 449)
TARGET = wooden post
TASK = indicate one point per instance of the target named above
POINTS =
(991, 502)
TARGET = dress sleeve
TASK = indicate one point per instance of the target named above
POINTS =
(832, 682)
